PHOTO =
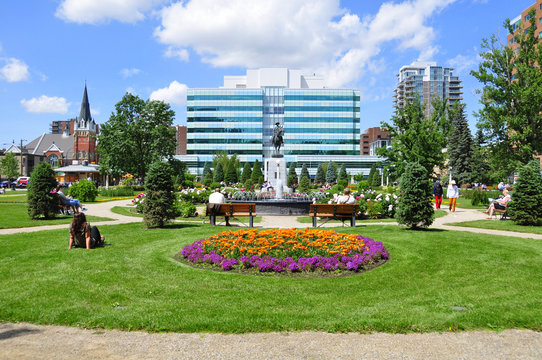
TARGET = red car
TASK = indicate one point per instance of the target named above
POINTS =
(22, 181)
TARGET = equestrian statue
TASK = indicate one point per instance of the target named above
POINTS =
(278, 140)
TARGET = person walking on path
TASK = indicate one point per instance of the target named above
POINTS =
(437, 193)
(453, 194)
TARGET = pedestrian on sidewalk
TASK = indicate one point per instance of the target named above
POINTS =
(437, 193)
(453, 194)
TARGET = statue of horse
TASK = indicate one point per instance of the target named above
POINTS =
(277, 139)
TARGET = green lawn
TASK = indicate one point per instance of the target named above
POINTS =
(506, 225)
(134, 283)
(16, 216)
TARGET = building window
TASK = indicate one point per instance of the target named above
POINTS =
(53, 160)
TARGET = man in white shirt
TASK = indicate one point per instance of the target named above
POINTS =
(218, 198)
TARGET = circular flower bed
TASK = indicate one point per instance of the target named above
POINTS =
(287, 251)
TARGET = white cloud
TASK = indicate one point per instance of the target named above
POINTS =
(310, 35)
(99, 11)
(15, 70)
(126, 73)
(182, 54)
(174, 94)
(463, 63)
(46, 104)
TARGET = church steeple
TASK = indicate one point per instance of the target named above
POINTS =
(85, 107)
(84, 135)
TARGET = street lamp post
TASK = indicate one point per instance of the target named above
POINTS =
(450, 180)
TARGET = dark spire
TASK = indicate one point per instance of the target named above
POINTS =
(85, 107)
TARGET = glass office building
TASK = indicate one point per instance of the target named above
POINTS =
(320, 124)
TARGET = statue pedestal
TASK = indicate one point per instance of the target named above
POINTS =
(275, 173)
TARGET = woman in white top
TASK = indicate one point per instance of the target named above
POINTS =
(346, 198)
(453, 194)
(499, 204)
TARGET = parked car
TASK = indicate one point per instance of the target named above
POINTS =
(6, 183)
(22, 181)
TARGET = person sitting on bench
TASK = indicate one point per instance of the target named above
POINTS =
(499, 204)
(74, 203)
(217, 198)
(346, 198)
(83, 235)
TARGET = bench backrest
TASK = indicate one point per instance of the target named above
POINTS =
(334, 209)
(229, 209)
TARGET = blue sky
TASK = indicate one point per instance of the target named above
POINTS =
(158, 48)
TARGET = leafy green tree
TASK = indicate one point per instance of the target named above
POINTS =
(178, 169)
(218, 175)
(257, 175)
(247, 173)
(10, 166)
(292, 175)
(136, 134)
(526, 205)
(305, 172)
(304, 185)
(460, 147)
(159, 206)
(417, 138)
(331, 174)
(415, 208)
(231, 173)
(40, 200)
(84, 190)
(320, 177)
(511, 114)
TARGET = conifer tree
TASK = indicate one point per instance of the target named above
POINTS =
(343, 175)
(207, 174)
(218, 175)
(320, 175)
(460, 147)
(159, 204)
(331, 174)
(305, 172)
(40, 200)
(415, 209)
(372, 174)
(480, 164)
(231, 173)
(257, 176)
(292, 175)
(304, 185)
(247, 173)
(526, 205)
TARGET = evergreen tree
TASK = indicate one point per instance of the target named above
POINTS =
(331, 174)
(292, 175)
(218, 175)
(159, 204)
(40, 200)
(372, 175)
(231, 173)
(377, 179)
(480, 165)
(10, 166)
(415, 208)
(257, 176)
(320, 177)
(304, 185)
(343, 175)
(207, 174)
(460, 147)
(305, 172)
(526, 205)
(247, 173)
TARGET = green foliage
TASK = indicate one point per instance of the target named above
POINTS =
(481, 169)
(460, 147)
(374, 177)
(159, 204)
(10, 166)
(343, 175)
(511, 113)
(247, 173)
(231, 173)
(320, 175)
(479, 197)
(218, 174)
(305, 171)
(331, 174)
(40, 200)
(207, 169)
(136, 134)
(84, 190)
(188, 184)
(179, 169)
(417, 138)
(186, 209)
(374, 209)
(116, 191)
(363, 186)
(525, 207)
(215, 185)
(304, 185)
(415, 208)
(292, 175)
(257, 175)
(342, 183)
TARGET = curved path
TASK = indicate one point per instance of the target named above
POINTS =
(28, 341)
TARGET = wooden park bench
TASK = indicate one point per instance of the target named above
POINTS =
(503, 212)
(334, 211)
(232, 210)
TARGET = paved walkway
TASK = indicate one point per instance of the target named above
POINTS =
(28, 341)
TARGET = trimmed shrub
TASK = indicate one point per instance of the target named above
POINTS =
(186, 209)
(526, 205)
(363, 186)
(304, 185)
(117, 191)
(479, 197)
(41, 202)
(84, 190)
(159, 204)
(415, 208)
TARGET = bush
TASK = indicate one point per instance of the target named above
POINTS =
(117, 191)
(526, 204)
(41, 202)
(159, 204)
(479, 197)
(415, 208)
(215, 185)
(186, 209)
(363, 186)
(374, 209)
(84, 190)
(188, 183)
